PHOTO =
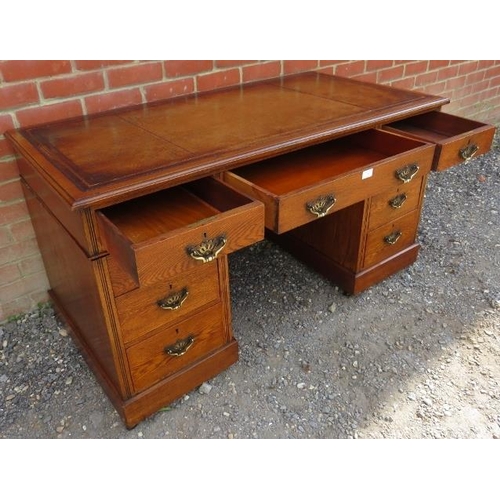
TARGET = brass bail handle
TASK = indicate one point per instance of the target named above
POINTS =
(392, 238)
(407, 173)
(208, 249)
(320, 206)
(180, 347)
(398, 201)
(174, 300)
(468, 152)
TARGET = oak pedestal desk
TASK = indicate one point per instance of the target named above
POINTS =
(136, 211)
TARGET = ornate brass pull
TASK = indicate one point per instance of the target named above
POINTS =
(391, 239)
(180, 347)
(321, 205)
(208, 249)
(468, 152)
(398, 201)
(174, 300)
(407, 173)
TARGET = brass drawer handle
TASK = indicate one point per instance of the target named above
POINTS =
(468, 152)
(407, 173)
(208, 249)
(321, 205)
(398, 201)
(391, 239)
(174, 300)
(180, 347)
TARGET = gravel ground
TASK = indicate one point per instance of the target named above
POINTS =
(416, 356)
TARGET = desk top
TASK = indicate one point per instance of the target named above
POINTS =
(98, 160)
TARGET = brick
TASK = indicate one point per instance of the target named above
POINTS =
(26, 285)
(438, 88)
(6, 123)
(134, 75)
(19, 251)
(485, 64)
(426, 78)
(6, 150)
(330, 63)
(174, 69)
(17, 94)
(352, 68)
(462, 92)
(470, 100)
(13, 212)
(113, 100)
(479, 86)
(486, 94)
(7, 310)
(9, 273)
(495, 82)
(261, 71)
(31, 265)
(40, 296)
(49, 112)
(376, 65)
(438, 64)
(218, 79)
(8, 171)
(22, 304)
(231, 64)
(455, 83)
(72, 85)
(166, 90)
(22, 230)
(17, 306)
(91, 65)
(492, 72)
(10, 191)
(14, 71)
(368, 77)
(477, 76)
(414, 68)
(404, 83)
(467, 67)
(6, 237)
(390, 74)
(298, 66)
(447, 73)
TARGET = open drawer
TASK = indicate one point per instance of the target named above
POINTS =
(457, 139)
(299, 187)
(174, 230)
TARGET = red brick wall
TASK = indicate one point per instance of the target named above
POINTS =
(36, 91)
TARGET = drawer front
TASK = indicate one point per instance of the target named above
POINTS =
(149, 307)
(395, 203)
(160, 238)
(175, 348)
(195, 247)
(462, 148)
(293, 209)
(458, 139)
(391, 238)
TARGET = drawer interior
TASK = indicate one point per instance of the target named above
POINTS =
(435, 127)
(149, 217)
(294, 171)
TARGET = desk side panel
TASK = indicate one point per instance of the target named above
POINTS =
(78, 288)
